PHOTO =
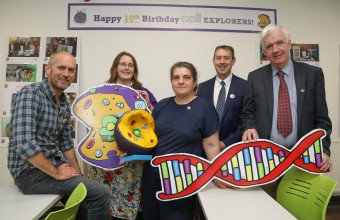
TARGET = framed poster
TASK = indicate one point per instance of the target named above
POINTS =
(306, 52)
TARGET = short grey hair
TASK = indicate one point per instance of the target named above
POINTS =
(267, 31)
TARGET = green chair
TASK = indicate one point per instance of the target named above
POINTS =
(70, 210)
(305, 195)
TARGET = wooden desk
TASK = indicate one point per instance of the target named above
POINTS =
(242, 204)
(15, 205)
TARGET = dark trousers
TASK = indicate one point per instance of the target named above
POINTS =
(96, 203)
(154, 209)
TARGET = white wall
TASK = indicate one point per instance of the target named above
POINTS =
(310, 21)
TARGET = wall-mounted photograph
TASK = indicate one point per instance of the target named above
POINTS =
(54, 44)
(305, 52)
(23, 46)
(260, 56)
(5, 126)
(21, 72)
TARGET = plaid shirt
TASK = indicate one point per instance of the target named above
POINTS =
(38, 125)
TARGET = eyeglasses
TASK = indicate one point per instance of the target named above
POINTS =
(124, 65)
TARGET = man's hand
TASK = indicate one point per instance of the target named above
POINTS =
(63, 172)
(222, 145)
(66, 171)
(326, 164)
(250, 135)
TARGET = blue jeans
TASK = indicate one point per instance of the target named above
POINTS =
(97, 201)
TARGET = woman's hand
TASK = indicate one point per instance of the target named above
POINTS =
(145, 96)
(122, 162)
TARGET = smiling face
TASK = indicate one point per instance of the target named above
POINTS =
(60, 71)
(182, 82)
(276, 48)
(125, 70)
(223, 62)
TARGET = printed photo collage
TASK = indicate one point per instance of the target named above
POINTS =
(25, 63)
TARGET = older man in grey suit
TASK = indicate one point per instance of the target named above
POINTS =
(261, 114)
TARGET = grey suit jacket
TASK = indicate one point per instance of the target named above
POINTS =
(312, 111)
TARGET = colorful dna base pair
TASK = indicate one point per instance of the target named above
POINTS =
(244, 164)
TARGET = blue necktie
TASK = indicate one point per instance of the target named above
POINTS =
(221, 101)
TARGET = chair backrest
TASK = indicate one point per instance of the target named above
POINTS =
(70, 210)
(305, 195)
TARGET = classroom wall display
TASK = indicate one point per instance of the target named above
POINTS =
(244, 164)
(25, 64)
(100, 109)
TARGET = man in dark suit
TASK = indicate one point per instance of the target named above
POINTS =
(234, 88)
(223, 60)
(306, 88)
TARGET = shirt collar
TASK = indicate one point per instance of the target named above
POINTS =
(226, 80)
(288, 69)
(50, 93)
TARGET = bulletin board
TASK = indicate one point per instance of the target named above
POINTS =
(25, 63)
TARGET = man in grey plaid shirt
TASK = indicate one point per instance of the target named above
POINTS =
(41, 157)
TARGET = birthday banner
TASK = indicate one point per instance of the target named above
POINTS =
(168, 17)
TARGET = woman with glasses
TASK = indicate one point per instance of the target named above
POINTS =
(124, 183)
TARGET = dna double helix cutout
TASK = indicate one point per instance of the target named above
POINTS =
(244, 164)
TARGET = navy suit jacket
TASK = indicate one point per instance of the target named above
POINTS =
(230, 129)
(312, 111)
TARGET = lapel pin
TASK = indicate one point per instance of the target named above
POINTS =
(302, 90)
(232, 96)
(189, 108)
